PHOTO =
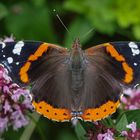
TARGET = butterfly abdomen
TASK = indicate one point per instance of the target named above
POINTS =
(77, 80)
(76, 67)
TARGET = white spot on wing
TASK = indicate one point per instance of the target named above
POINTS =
(18, 47)
(8, 68)
(10, 60)
(3, 55)
(133, 45)
(3, 44)
(17, 63)
(135, 64)
(134, 48)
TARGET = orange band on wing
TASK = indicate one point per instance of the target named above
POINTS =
(101, 112)
(52, 113)
(114, 53)
(24, 77)
(128, 70)
(24, 69)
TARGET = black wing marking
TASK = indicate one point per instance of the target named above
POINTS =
(126, 58)
(15, 56)
(131, 52)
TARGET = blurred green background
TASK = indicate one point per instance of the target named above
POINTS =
(109, 20)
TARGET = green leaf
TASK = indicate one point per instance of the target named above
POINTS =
(21, 98)
(136, 31)
(102, 24)
(121, 124)
(80, 131)
(31, 22)
(38, 2)
(3, 11)
(108, 122)
(125, 15)
(133, 115)
(79, 28)
(127, 118)
(65, 135)
(119, 138)
(30, 128)
(108, 16)
(72, 6)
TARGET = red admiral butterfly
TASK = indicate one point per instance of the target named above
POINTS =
(84, 84)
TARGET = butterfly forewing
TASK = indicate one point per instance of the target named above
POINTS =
(22, 56)
(130, 53)
(15, 54)
(125, 57)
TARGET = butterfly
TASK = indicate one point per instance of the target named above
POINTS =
(68, 84)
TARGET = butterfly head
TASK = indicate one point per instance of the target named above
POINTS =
(76, 56)
(76, 44)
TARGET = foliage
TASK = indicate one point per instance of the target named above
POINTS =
(109, 17)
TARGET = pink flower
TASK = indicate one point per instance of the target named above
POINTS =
(18, 119)
(15, 102)
(132, 126)
(131, 99)
(7, 107)
(100, 137)
(101, 132)
(9, 39)
(3, 124)
(133, 107)
(17, 94)
(124, 133)
(106, 136)
(133, 134)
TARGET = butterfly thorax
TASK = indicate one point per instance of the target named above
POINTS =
(76, 56)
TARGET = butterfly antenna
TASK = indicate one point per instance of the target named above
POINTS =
(86, 34)
(61, 21)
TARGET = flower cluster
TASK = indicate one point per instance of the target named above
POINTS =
(15, 102)
(133, 133)
(101, 132)
(131, 99)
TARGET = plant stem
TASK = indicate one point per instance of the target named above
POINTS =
(30, 127)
